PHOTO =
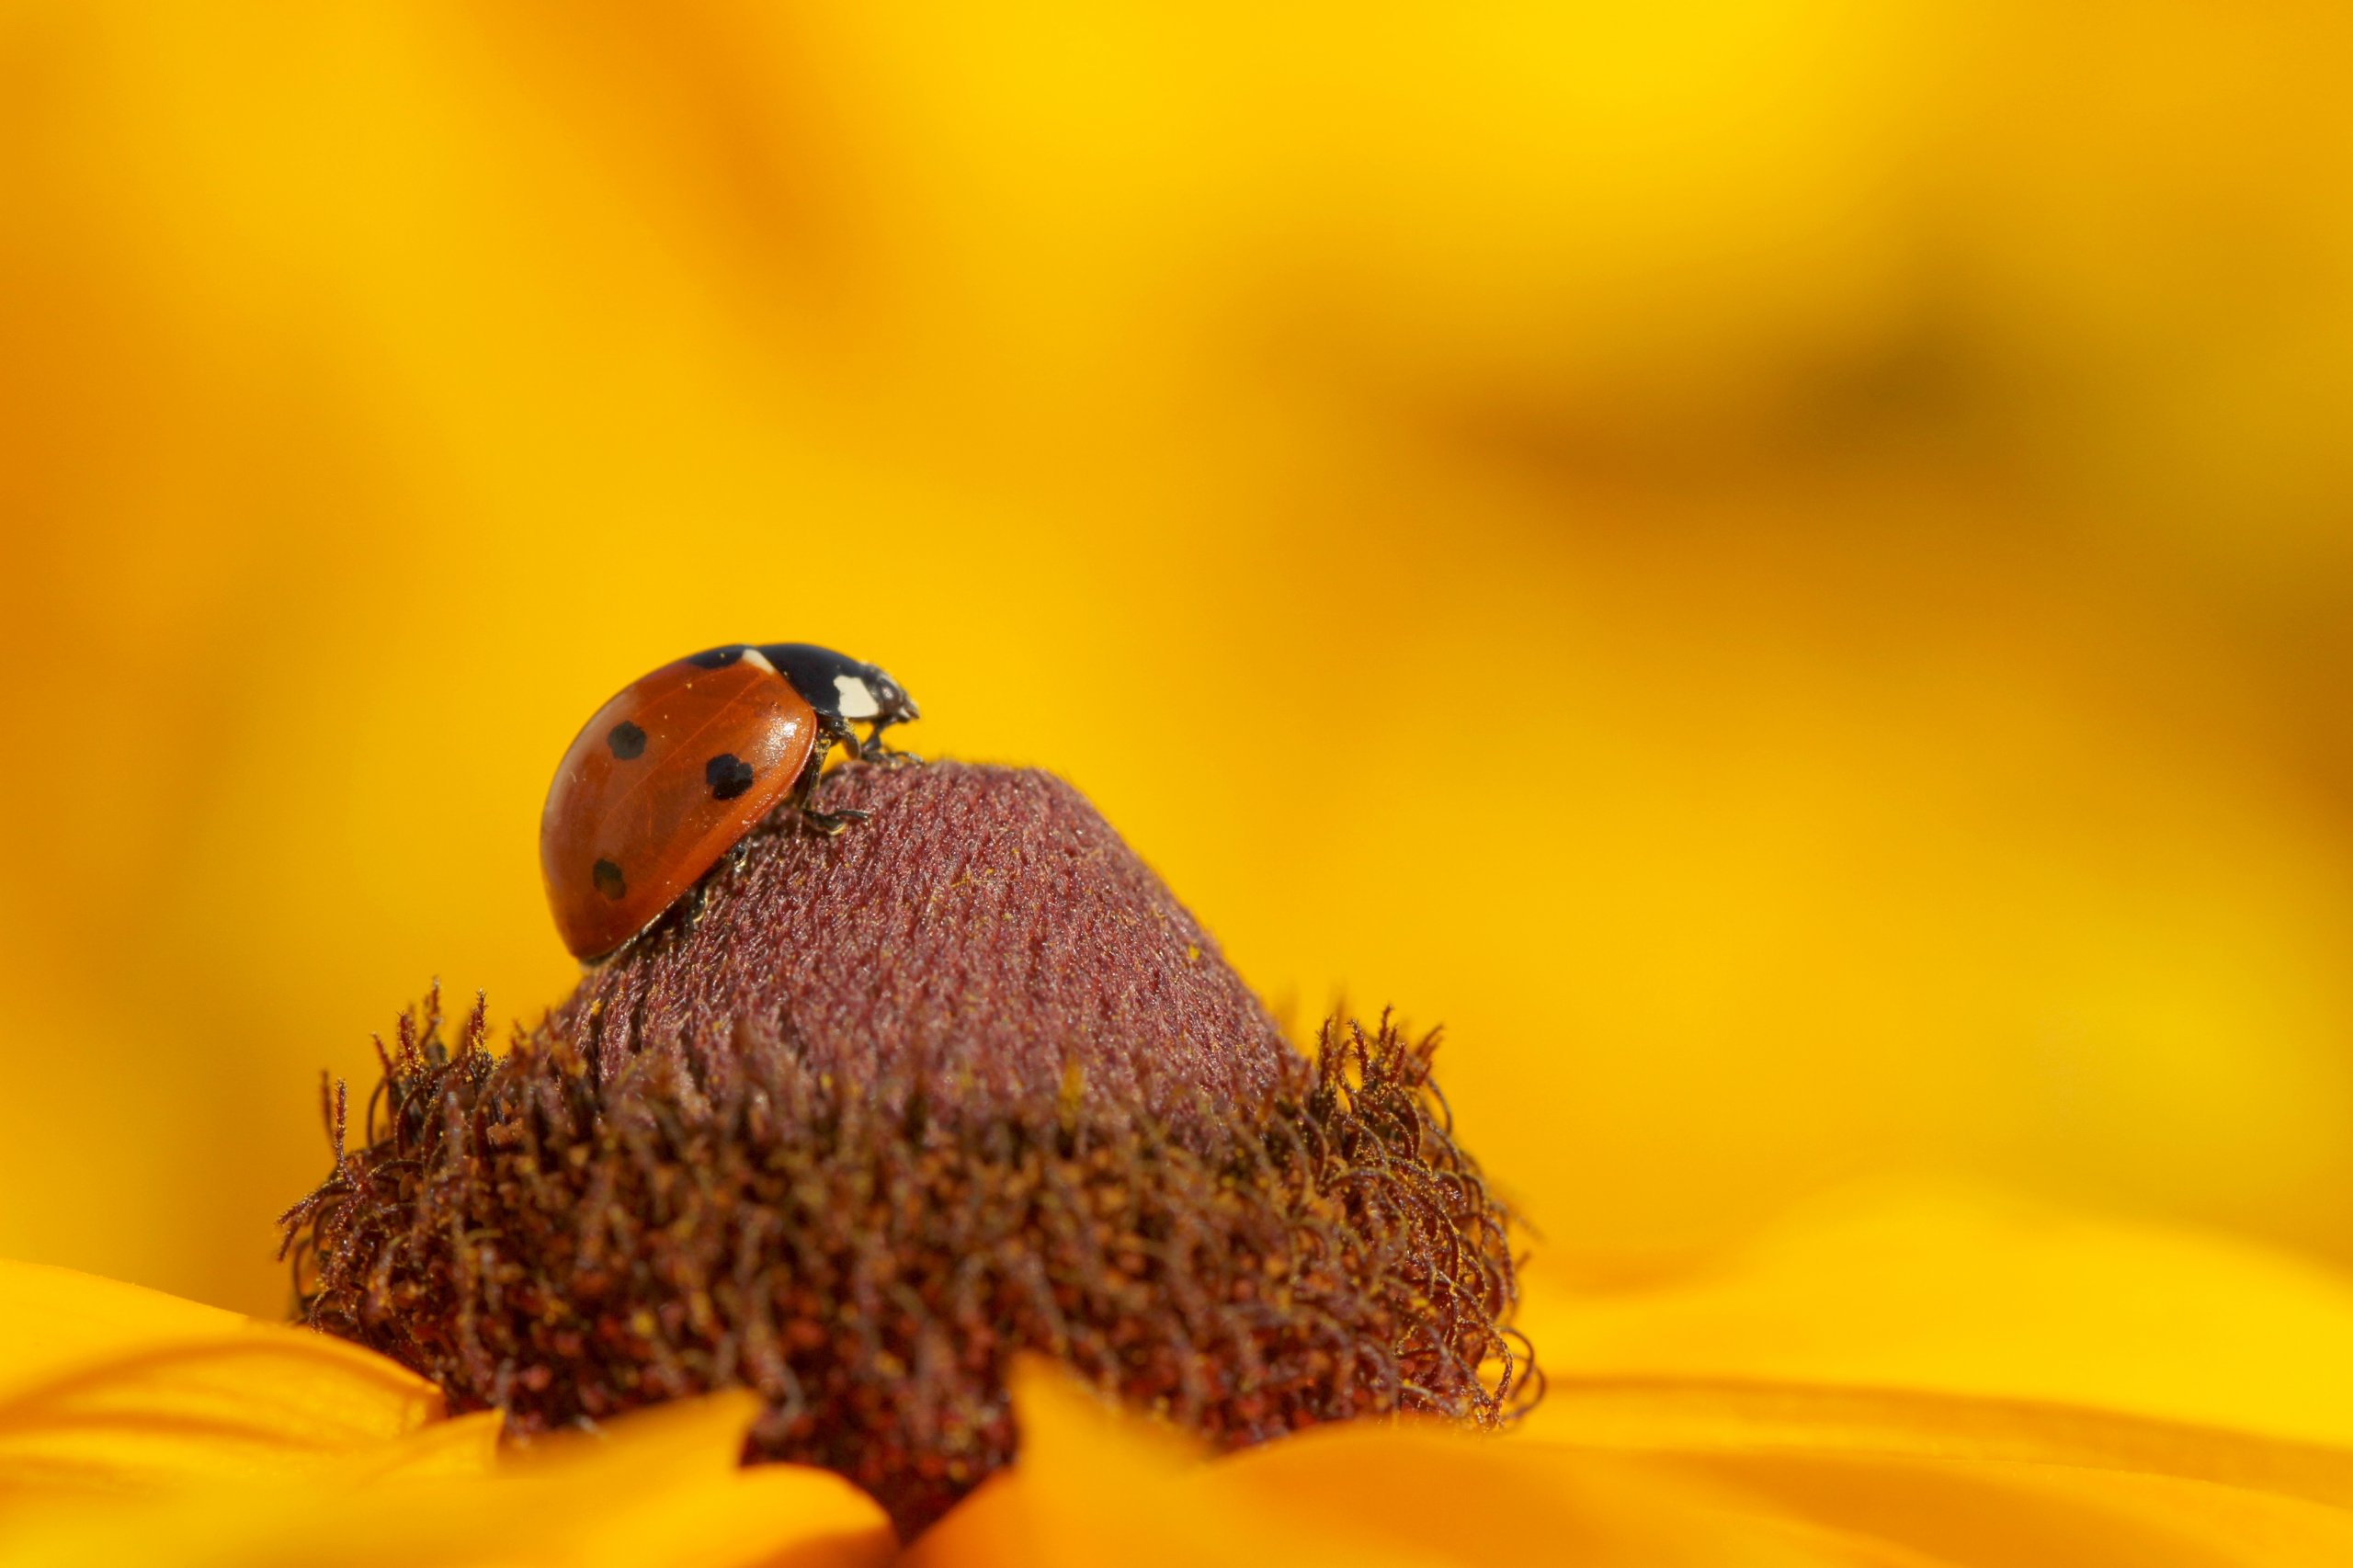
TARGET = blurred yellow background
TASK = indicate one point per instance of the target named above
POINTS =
(1783, 569)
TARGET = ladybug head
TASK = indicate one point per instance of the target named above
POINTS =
(892, 703)
(837, 684)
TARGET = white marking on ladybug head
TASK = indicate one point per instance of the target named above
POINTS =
(758, 660)
(856, 698)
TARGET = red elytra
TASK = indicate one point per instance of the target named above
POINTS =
(666, 778)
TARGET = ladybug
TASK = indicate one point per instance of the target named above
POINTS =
(678, 767)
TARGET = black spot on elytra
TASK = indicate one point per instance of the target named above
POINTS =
(627, 740)
(608, 880)
(728, 776)
(716, 658)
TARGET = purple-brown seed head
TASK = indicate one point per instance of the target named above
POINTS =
(984, 927)
(873, 1114)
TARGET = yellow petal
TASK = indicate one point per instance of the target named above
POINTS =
(54, 1320)
(108, 1388)
(671, 1488)
(2039, 1516)
(464, 1446)
(1961, 1293)
(1094, 1487)
(1695, 1418)
(662, 1489)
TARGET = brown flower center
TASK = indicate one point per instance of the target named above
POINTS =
(875, 1113)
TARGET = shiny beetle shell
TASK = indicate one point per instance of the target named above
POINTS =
(666, 778)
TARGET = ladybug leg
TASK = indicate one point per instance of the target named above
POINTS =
(833, 729)
(875, 751)
(826, 823)
(830, 822)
